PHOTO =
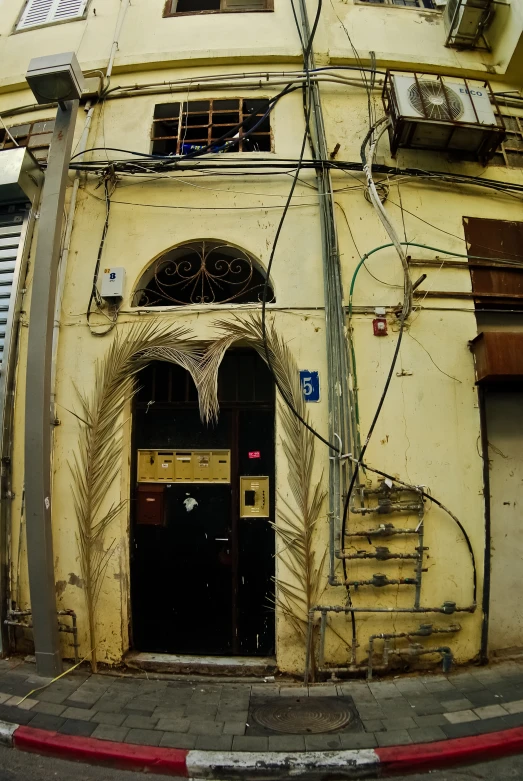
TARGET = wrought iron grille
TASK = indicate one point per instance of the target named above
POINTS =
(202, 272)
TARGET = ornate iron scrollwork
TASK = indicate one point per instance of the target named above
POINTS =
(203, 272)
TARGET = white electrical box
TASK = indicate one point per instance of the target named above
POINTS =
(113, 282)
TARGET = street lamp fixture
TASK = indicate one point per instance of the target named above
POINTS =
(55, 78)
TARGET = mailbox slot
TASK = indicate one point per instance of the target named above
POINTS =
(184, 466)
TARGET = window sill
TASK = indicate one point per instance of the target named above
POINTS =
(49, 24)
(434, 11)
(206, 13)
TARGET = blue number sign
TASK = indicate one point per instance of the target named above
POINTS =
(310, 385)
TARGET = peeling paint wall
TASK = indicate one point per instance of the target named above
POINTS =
(429, 428)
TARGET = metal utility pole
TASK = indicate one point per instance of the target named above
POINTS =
(38, 398)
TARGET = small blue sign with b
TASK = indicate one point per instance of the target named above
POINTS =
(310, 385)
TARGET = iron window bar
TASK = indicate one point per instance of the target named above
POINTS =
(198, 124)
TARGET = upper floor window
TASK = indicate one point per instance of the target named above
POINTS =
(39, 12)
(510, 152)
(183, 128)
(406, 3)
(175, 7)
(36, 136)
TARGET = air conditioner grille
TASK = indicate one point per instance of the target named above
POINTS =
(434, 100)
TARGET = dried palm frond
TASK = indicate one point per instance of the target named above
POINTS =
(97, 463)
(296, 524)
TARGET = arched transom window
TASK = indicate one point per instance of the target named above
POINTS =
(202, 272)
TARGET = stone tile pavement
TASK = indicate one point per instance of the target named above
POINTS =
(160, 711)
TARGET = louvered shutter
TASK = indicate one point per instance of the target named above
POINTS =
(39, 12)
(35, 12)
(69, 9)
(10, 238)
(246, 5)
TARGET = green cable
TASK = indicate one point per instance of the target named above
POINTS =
(351, 291)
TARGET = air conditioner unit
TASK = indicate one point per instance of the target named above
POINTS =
(465, 21)
(439, 113)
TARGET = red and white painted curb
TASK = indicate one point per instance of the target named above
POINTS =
(267, 765)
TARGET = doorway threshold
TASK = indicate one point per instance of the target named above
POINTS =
(227, 666)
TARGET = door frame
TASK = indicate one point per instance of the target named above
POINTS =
(235, 408)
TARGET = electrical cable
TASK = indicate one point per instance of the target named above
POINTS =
(268, 359)
(95, 295)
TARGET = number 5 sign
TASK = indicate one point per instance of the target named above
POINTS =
(310, 385)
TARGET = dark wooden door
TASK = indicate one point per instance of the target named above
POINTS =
(202, 581)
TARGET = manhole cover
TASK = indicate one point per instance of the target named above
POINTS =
(303, 716)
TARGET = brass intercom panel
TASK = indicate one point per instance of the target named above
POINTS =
(254, 497)
(184, 466)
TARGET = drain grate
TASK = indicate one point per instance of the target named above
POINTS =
(303, 715)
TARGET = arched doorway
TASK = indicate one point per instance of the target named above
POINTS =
(202, 541)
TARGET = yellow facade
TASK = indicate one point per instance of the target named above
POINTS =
(429, 428)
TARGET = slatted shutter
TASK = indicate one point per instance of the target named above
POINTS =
(246, 5)
(10, 241)
(38, 12)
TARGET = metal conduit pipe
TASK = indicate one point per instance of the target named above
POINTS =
(14, 617)
(82, 145)
(425, 630)
(339, 394)
(395, 507)
(124, 5)
(379, 581)
(386, 530)
(445, 651)
(448, 608)
(381, 556)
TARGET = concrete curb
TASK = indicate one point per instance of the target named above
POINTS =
(266, 766)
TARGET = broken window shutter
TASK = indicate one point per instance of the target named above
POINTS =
(246, 5)
(68, 9)
(35, 12)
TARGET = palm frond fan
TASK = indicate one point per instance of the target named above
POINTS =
(434, 100)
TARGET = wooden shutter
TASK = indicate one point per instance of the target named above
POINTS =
(501, 240)
(246, 5)
(39, 12)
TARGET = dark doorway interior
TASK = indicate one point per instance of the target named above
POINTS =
(202, 579)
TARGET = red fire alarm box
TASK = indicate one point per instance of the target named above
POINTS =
(379, 325)
(150, 505)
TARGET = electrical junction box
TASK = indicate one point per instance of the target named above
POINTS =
(113, 282)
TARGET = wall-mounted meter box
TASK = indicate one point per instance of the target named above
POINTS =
(184, 466)
(113, 282)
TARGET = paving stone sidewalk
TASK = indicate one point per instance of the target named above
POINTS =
(206, 715)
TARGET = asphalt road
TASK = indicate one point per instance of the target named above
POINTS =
(21, 766)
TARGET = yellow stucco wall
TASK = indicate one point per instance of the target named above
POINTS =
(429, 428)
